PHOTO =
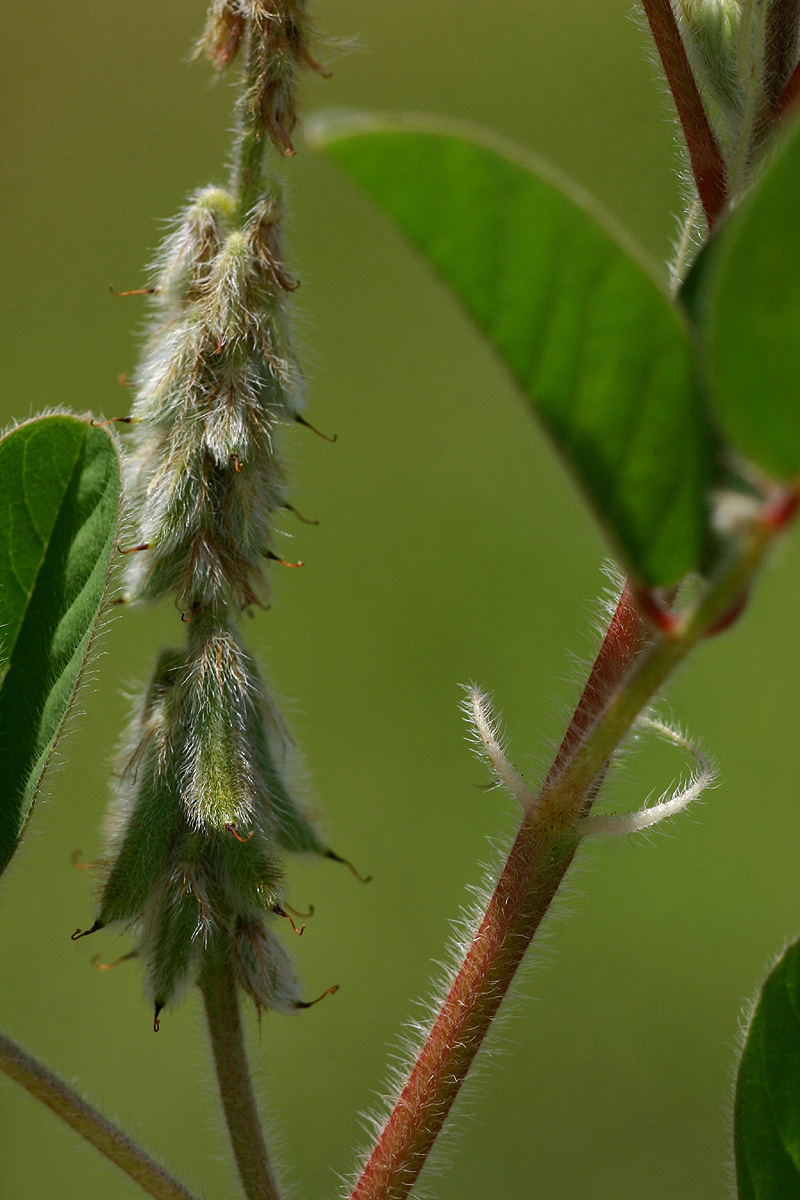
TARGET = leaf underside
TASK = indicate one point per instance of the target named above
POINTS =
(600, 352)
(767, 1113)
(60, 488)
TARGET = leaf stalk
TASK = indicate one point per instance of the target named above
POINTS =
(705, 156)
(65, 1102)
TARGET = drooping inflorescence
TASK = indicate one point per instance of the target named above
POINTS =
(202, 814)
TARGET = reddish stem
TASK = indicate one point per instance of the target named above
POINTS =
(506, 930)
(708, 165)
(626, 635)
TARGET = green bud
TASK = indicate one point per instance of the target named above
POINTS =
(144, 823)
(185, 257)
(294, 829)
(176, 926)
(217, 709)
(264, 969)
(227, 318)
(711, 33)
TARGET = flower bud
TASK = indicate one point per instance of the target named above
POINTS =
(264, 969)
(711, 32)
(294, 829)
(223, 33)
(143, 826)
(283, 33)
(176, 926)
(184, 258)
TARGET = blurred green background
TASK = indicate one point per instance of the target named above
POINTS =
(451, 547)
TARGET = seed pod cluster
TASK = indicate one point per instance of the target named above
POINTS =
(202, 814)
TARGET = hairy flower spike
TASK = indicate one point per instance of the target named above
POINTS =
(218, 377)
(203, 812)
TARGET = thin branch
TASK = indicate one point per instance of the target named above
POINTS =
(90, 1124)
(630, 668)
(235, 1085)
(708, 165)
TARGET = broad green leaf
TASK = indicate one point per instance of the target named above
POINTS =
(572, 309)
(767, 1114)
(748, 313)
(59, 507)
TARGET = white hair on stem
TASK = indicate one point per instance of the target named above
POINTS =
(486, 736)
(626, 823)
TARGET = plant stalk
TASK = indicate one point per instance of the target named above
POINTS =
(247, 182)
(630, 668)
(90, 1124)
(705, 156)
(218, 986)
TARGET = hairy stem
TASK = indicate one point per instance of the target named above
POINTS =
(708, 166)
(218, 986)
(247, 182)
(90, 1124)
(630, 668)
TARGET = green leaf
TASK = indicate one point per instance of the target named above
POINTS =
(748, 314)
(572, 309)
(767, 1113)
(60, 491)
